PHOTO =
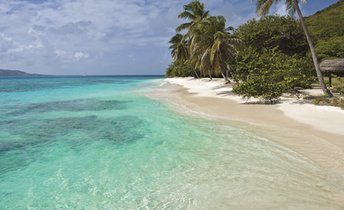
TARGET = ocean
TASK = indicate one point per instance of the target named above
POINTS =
(97, 143)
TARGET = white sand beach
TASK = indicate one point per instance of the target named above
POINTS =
(326, 118)
(316, 132)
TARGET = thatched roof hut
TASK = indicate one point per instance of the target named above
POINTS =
(333, 65)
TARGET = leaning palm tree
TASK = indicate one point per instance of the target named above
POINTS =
(222, 50)
(213, 46)
(200, 44)
(263, 7)
(179, 48)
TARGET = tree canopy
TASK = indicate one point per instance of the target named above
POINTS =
(265, 57)
(328, 23)
(327, 30)
(285, 33)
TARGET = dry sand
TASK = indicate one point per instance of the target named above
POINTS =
(325, 118)
(316, 132)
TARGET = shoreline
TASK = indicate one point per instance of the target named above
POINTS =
(213, 100)
(325, 118)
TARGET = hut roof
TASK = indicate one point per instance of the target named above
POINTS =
(333, 65)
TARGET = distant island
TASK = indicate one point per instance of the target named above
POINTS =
(16, 73)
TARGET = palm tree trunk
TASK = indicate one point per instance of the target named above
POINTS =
(196, 75)
(210, 76)
(311, 46)
(223, 75)
(227, 76)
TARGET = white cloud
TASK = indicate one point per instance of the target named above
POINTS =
(9, 45)
(64, 29)
(80, 55)
(70, 56)
(70, 36)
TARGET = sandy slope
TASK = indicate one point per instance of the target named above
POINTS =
(316, 132)
(325, 118)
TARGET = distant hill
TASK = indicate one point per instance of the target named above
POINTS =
(15, 73)
(328, 22)
(327, 30)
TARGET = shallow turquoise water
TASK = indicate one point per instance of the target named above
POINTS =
(94, 143)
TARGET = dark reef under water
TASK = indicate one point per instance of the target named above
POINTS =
(75, 105)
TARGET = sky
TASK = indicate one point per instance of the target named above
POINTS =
(104, 37)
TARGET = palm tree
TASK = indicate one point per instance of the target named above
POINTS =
(263, 7)
(212, 46)
(222, 50)
(179, 48)
(201, 42)
(195, 13)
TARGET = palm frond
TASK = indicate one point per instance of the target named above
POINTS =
(176, 39)
(205, 60)
(263, 6)
(186, 15)
(183, 26)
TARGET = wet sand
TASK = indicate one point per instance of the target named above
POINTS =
(324, 149)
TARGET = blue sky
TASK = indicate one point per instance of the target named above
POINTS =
(103, 36)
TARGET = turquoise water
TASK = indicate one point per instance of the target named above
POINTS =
(94, 143)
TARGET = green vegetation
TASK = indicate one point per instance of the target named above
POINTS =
(326, 28)
(179, 69)
(338, 85)
(326, 101)
(269, 74)
(212, 46)
(331, 48)
(207, 44)
(179, 48)
(274, 31)
(292, 6)
(327, 23)
(271, 59)
(265, 57)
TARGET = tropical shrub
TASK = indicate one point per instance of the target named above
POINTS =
(274, 31)
(265, 85)
(338, 85)
(243, 63)
(269, 74)
(298, 72)
(179, 69)
(332, 48)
